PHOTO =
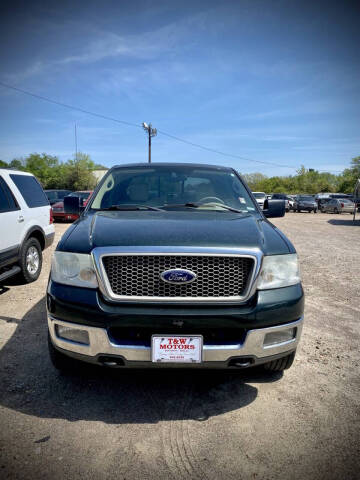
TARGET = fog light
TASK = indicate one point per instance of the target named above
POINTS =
(73, 334)
(273, 338)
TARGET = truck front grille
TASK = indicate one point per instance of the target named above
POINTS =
(218, 276)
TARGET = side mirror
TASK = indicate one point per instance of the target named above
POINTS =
(72, 205)
(274, 208)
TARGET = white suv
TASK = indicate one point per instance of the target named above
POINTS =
(26, 225)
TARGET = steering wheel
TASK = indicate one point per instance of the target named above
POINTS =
(211, 199)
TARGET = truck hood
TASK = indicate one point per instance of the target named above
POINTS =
(189, 228)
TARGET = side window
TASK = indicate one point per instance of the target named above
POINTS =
(31, 190)
(7, 201)
(4, 203)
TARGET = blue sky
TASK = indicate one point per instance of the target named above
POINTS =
(272, 81)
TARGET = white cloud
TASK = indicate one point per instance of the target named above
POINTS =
(99, 45)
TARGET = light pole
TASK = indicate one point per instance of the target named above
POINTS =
(152, 132)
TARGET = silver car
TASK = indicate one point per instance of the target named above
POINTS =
(338, 205)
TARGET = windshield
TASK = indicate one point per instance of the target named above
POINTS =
(82, 195)
(173, 187)
(259, 195)
(308, 199)
(52, 195)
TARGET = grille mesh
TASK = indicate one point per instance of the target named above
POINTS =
(139, 275)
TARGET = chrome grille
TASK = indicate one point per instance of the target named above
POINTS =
(139, 275)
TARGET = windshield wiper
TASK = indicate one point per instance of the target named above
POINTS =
(125, 208)
(198, 205)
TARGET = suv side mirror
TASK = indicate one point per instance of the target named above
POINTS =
(274, 208)
(72, 205)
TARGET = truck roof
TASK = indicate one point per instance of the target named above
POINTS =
(174, 164)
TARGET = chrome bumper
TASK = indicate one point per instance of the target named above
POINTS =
(100, 344)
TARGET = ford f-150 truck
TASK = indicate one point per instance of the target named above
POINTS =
(174, 265)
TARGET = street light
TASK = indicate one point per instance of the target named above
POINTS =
(152, 132)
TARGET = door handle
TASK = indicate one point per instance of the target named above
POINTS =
(20, 219)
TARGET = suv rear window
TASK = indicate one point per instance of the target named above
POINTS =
(31, 190)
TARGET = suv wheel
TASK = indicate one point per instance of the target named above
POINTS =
(31, 260)
(281, 364)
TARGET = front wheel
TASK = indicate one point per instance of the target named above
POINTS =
(315, 210)
(30, 260)
(336, 210)
(280, 364)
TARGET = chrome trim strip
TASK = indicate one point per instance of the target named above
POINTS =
(99, 252)
(100, 344)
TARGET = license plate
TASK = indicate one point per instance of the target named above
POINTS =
(176, 349)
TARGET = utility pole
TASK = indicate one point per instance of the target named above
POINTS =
(152, 132)
(75, 143)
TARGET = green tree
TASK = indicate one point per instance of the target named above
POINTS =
(255, 180)
(3, 164)
(350, 176)
(78, 172)
(45, 168)
(17, 163)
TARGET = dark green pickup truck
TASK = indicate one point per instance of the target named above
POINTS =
(174, 265)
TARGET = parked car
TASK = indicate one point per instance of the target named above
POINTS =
(58, 208)
(322, 201)
(338, 205)
(305, 202)
(260, 197)
(174, 265)
(26, 225)
(282, 196)
(291, 199)
(56, 195)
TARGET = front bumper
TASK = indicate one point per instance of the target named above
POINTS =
(103, 350)
(62, 216)
(307, 207)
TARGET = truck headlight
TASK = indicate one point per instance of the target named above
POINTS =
(75, 269)
(279, 271)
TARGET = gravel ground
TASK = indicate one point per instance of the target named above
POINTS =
(106, 424)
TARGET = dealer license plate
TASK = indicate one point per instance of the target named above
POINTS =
(176, 349)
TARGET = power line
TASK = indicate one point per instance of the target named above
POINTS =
(71, 107)
(112, 119)
(220, 152)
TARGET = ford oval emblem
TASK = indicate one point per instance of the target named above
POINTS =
(178, 275)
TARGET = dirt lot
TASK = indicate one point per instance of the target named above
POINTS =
(304, 424)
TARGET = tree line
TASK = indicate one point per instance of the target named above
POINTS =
(74, 174)
(306, 181)
(77, 174)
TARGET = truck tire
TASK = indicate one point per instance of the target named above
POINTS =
(281, 364)
(61, 362)
(30, 260)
